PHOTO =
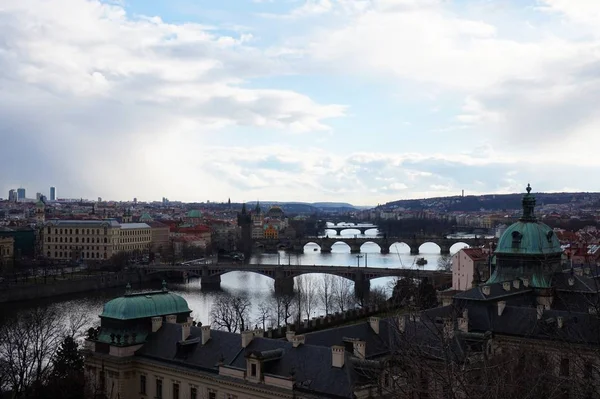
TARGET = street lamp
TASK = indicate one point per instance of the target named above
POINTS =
(358, 260)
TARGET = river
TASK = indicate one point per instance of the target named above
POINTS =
(257, 287)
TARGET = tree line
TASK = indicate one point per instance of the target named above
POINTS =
(312, 296)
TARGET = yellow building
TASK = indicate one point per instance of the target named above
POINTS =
(93, 239)
(134, 237)
(271, 232)
(7, 247)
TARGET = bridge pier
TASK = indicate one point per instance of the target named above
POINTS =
(414, 249)
(284, 286)
(325, 247)
(208, 280)
(445, 250)
(362, 286)
(355, 248)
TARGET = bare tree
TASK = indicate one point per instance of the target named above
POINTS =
(282, 307)
(310, 291)
(444, 263)
(325, 292)
(27, 345)
(265, 314)
(231, 313)
(342, 294)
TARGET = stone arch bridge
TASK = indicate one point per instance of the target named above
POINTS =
(355, 244)
(283, 275)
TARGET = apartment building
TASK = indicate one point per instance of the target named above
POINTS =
(134, 237)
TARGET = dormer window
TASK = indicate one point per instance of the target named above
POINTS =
(516, 239)
(253, 370)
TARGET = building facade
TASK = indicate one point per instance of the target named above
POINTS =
(7, 247)
(81, 239)
(134, 237)
(52, 193)
(470, 267)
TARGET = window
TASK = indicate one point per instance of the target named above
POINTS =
(70, 231)
(159, 388)
(49, 230)
(193, 393)
(175, 391)
(143, 384)
(253, 370)
(212, 395)
(564, 367)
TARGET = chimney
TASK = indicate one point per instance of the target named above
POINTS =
(185, 330)
(171, 318)
(579, 271)
(156, 323)
(463, 322)
(247, 338)
(205, 334)
(297, 340)
(337, 356)
(289, 335)
(571, 281)
(374, 322)
(525, 282)
(360, 349)
(448, 328)
(501, 306)
(540, 311)
(517, 283)
(401, 323)
(586, 271)
(485, 289)
(560, 321)
(506, 285)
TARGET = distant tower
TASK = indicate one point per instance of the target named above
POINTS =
(135, 201)
(40, 212)
(38, 196)
(20, 194)
(244, 221)
(12, 195)
(463, 193)
(229, 203)
(52, 193)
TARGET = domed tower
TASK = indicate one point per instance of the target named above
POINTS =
(528, 249)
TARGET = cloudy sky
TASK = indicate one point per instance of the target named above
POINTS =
(363, 101)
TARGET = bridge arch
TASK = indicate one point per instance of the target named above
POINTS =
(457, 246)
(310, 246)
(400, 247)
(429, 247)
(370, 247)
(341, 246)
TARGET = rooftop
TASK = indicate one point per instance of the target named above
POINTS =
(126, 226)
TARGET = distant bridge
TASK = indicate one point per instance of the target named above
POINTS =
(283, 275)
(361, 227)
(355, 244)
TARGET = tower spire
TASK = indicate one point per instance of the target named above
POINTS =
(528, 206)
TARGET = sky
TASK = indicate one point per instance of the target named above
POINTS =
(360, 101)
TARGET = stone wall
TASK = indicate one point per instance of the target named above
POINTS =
(25, 292)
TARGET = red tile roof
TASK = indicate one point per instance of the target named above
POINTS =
(476, 254)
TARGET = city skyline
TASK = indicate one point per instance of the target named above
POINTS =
(320, 100)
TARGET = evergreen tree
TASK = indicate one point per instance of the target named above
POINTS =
(67, 378)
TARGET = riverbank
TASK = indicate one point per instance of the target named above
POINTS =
(52, 288)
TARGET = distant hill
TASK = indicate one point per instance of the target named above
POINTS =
(306, 207)
(492, 202)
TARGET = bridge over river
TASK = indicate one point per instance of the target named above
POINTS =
(283, 275)
(355, 244)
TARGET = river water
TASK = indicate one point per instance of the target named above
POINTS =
(258, 288)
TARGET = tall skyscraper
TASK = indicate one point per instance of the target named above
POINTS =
(38, 196)
(12, 195)
(20, 193)
(52, 193)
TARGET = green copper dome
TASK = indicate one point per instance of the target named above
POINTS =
(145, 305)
(528, 236)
